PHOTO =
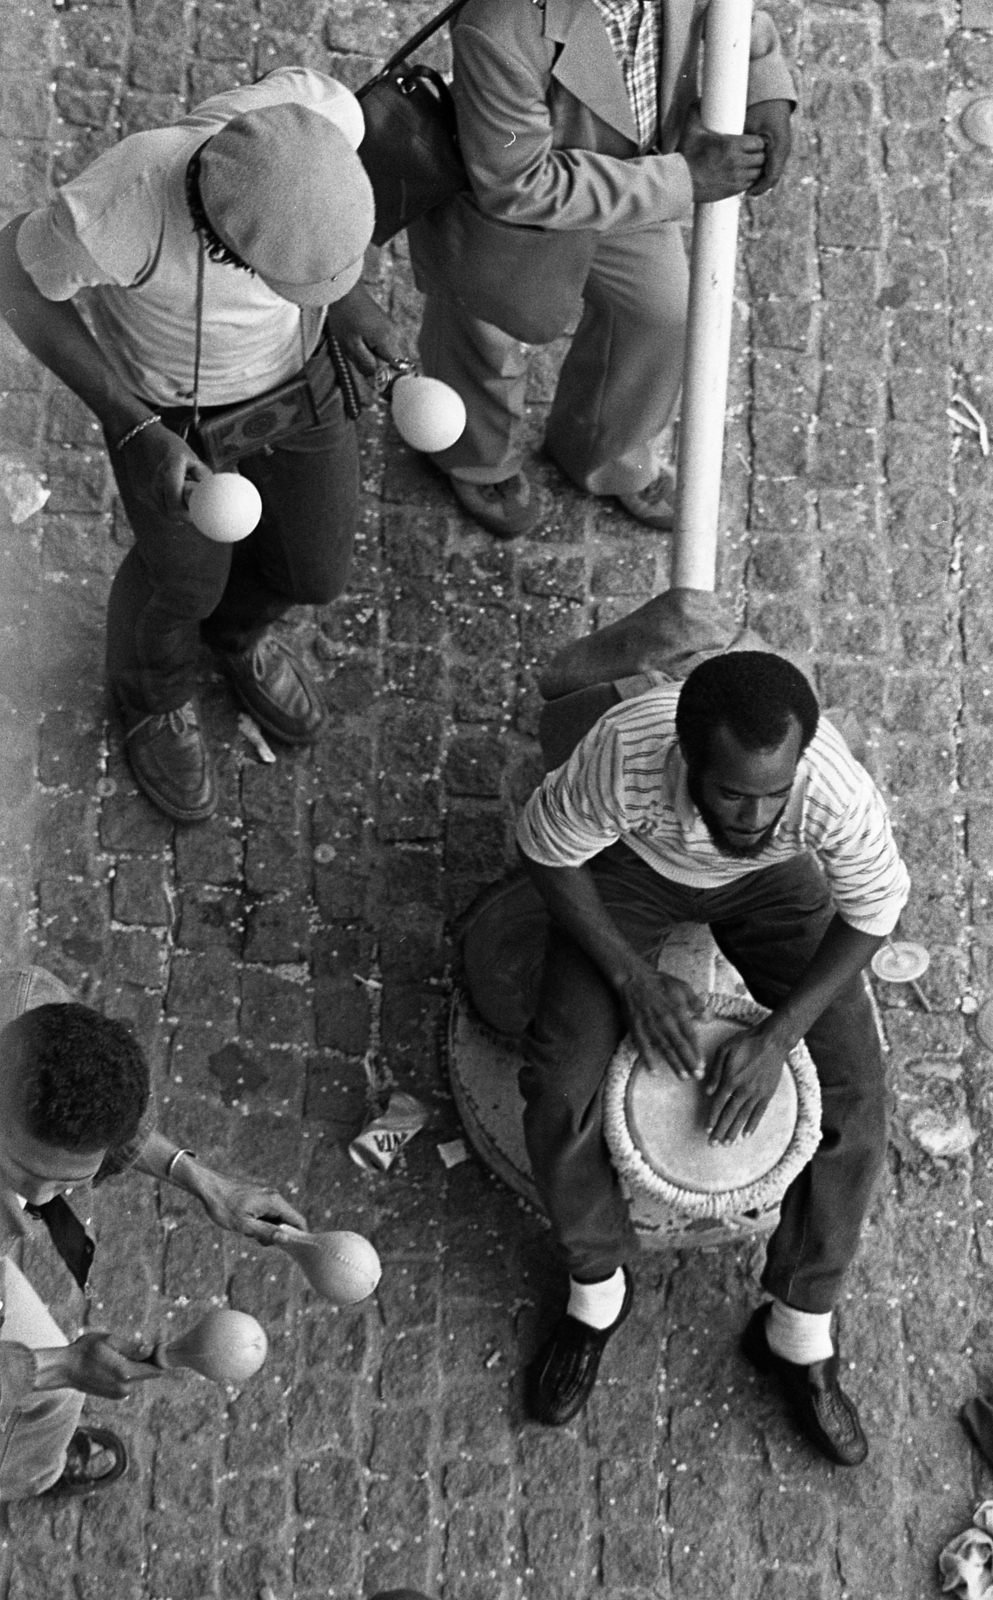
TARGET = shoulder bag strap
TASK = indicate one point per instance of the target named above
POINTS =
(412, 44)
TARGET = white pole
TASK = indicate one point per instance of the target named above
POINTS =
(708, 331)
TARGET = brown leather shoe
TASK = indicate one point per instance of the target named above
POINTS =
(275, 686)
(506, 509)
(655, 505)
(172, 764)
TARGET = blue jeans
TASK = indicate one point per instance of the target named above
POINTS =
(768, 924)
(174, 579)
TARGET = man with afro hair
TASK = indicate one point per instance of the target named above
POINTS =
(75, 1109)
(729, 801)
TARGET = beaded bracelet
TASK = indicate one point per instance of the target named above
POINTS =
(139, 427)
(173, 1159)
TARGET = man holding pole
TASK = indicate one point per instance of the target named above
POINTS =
(713, 802)
(585, 153)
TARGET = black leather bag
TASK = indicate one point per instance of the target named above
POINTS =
(410, 149)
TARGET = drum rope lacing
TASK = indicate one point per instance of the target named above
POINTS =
(759, 1195)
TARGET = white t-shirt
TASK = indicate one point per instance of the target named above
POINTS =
(120, 237)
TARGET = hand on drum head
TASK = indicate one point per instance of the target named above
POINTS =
(660, 1012)
(742, 1078)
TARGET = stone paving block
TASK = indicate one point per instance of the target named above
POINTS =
(182, 1555)
(275, 1009)
(209, 853)
(558, 1550)
(204, 985)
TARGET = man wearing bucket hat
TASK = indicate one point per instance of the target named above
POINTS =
(180, 286)
(727, 801)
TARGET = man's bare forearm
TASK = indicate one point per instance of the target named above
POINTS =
(56, 334)
(841, 956)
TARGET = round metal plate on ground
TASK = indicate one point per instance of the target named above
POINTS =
(977, 121)
(984, 1024)
(900, 962)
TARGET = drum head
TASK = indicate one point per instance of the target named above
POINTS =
(666, 1119)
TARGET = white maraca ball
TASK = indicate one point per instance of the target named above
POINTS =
(429, 415)
(225, 506)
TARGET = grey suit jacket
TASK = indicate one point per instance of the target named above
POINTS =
(549, 143)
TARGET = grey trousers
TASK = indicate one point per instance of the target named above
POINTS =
(617, 387)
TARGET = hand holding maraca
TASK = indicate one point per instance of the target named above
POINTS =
(224, 506)
(93, 1365)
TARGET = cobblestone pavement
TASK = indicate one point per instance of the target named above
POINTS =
(290, 960)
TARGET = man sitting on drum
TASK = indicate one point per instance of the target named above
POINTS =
(706, 802)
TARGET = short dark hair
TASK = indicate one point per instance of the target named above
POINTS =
(752, 693)
(213, 243)
(84, 1077)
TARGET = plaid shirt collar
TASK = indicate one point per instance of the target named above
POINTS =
(633, 30)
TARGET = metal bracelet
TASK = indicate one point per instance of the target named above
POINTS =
(132, 433)
(170, 1169)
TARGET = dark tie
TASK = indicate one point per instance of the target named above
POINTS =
(68, 1235)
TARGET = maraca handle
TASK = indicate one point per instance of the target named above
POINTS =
(160, 1357)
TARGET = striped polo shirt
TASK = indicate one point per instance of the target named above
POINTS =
(627, 780)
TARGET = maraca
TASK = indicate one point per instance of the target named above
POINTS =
(428, 414)
(227, 1346)
(225, 506)
(341, 1267)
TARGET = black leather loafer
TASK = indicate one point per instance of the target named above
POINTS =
(560, 1379)
(275, 686)
(821, 1408)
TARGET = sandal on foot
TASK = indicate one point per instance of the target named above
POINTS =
(95, 1459)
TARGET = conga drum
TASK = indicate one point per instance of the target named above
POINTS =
(680, 1184)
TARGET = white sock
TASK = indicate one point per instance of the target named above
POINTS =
(799, 1336)
(597, 1304)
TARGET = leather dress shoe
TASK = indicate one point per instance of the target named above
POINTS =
(560, 1379)
(275, 686)
(655, 505)
(171, 762)
(821, 1409)
(505, 509)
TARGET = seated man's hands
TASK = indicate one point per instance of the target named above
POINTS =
(660, 1013)
(92, 1365)
(771, 119)
(364, 331)
(741, 1080)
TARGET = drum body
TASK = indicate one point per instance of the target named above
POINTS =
(655, 1127)
(673, 1205)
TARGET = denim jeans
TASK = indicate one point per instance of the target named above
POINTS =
(33, 1445)
(175, 586)
(768, 924)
